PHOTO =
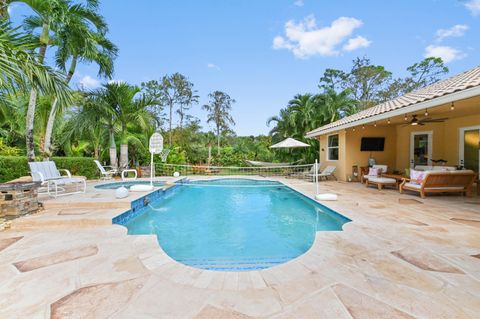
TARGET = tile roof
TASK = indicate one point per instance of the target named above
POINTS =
(459, 82)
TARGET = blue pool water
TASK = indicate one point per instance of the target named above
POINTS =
(116, 185)
(229, 225)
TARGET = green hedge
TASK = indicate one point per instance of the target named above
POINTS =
(12, 167)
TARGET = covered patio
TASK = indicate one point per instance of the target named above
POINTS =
(438, 125)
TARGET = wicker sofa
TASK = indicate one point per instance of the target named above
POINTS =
(441, 182)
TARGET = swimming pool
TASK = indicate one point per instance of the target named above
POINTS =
(234, 224)
(116, 185)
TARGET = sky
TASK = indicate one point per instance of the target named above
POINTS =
(264, 52)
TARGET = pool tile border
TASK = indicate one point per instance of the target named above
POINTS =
(138, 205)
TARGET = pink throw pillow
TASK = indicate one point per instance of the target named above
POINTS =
(416, 177)
(373, 171)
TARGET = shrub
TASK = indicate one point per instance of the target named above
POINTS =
(80, 166)
(12, 167)
(6, 150)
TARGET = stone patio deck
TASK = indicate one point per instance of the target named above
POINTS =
(401, 257)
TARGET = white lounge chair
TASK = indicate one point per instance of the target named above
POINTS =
(327, 172)
(382, 169)
(106, 172)
(49, 176)
(306, 174)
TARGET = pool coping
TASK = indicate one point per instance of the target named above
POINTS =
(138, 207)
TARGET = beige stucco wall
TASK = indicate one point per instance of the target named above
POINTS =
(356, 157)
(340, 164)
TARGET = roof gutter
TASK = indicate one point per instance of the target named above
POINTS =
(452, 97)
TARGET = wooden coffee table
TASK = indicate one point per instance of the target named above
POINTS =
(381, 182)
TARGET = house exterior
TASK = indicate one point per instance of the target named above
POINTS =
(410, 139)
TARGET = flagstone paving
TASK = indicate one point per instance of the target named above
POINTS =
(400, 257)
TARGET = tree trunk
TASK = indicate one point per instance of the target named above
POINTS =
(209, 154)
(170, 125)
(3, 9)
(32, 102)
(218, 142)
(53, 112)
(124, 155)
(113, 150)
(49, 129)
(30, 123)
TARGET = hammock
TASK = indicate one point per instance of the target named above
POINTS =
(267, 164)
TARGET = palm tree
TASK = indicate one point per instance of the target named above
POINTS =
(124, 107)
(78, 43)
(219, 113)
(88, 122)
(336, 105)
(19, 69)
(47, 13)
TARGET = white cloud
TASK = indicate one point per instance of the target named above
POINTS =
(473, 6)
(356, 43)
(306, 39)
(457, 30)
(299, 3)
(213, 66)
(448, 54)
(88, 82)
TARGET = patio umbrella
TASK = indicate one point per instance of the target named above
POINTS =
(290, 143)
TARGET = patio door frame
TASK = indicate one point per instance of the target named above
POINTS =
(412, 146)
(461, 143)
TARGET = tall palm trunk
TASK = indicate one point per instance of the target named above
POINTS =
(32, 102)
(209, 154)
(124, 147)
(53, 112)
(30, 123)
(170, 125)
(113, 149)
(218, 141)
(3, 9)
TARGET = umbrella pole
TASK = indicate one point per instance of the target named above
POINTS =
(316, 176)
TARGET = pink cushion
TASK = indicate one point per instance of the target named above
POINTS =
(373, 171)
(416, 177)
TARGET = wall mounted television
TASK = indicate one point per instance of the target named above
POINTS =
(372, 144)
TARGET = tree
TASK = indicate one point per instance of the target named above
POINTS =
(47, 13)
(19, 69)
(124, 106)
(77, 42)
(336, 105)
(333, 79)
(172, 90)
(365, 82)
(219, 109)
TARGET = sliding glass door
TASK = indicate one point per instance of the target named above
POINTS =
(470, 148)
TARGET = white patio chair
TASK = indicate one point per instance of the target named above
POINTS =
(49, 176)
(106, 172)
(327, 172)
(382, 169)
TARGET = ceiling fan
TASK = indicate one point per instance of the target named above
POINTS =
(414, 121)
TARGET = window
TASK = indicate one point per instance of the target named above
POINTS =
(332, 148)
